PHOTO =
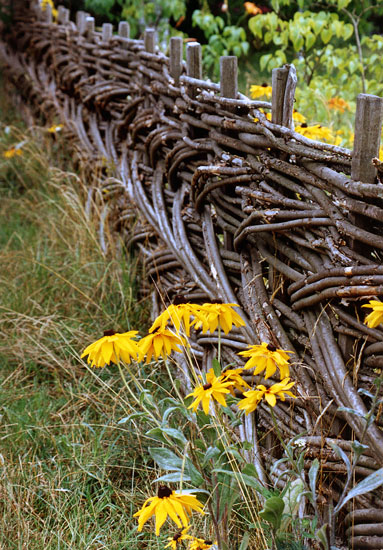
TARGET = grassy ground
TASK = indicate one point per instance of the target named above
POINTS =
(70, 475)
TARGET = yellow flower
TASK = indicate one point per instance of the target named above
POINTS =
(212, 315)
(201, 544)
(112, 347)
(381, 153)
(55, 128)
(236, 381)
(159, 343)
(12, 152)
(259, 91)
(298, 117)
(177, 506)
(338, 103)
(252, 9)
(214, 388)
(178, 538)
(315, 132)
(267, 357)
(177, 314)
(374, 318)
(267, 115)
(254, 397)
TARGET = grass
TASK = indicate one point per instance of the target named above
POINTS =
(70, 475)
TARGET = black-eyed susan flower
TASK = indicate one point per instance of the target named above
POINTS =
(178, 506)
(45, 3)
(210, 316)
(254, 397)
(374, 318)
(315, 132)
(214, 388)
(176, 314)
(160, 344)
(259, 91)
(201, 544)
(178, 539)
(338, 104)
(233, 376)
(111, 348)
(12, 152)
(267, 357)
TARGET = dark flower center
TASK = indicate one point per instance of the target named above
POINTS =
(270, 347)
(304, 125)
(164, 492)
(109, 332)
(264, 85)
(177, 535)
(207, 386)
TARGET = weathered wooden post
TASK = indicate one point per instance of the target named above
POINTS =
(124, 32)
(367, 131)
(368, 125)
(150, 40)
(284, 82)
(175, 58)
(63, 15)
(193, 64)
(228, 66)
(48, 14)
(107, 32)
(89, 27)
(80, 21)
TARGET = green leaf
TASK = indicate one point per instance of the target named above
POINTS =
(177, 435)
(272, 511)
(211, 452)
(310, 40)
(245, 541)
(264, 61)
(342, 455)
(343, 3)
(241, 477)
(194, 474)
(216, 367)
(313, 474)
(326, 35)
(165, 458)
(323, 535)
(371, 482)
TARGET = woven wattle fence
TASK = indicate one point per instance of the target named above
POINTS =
(223, 208)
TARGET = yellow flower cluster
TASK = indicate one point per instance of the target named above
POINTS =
(161, 341)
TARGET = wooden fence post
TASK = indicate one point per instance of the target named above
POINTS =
(48, 13)
(124, 32)
(150, 40)
(107, 32)
(228, 65)
(89, 27)
(193, 64)
(283, 81)
(175, 58)
(63, 15)
(80, 21)
(368, 124)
